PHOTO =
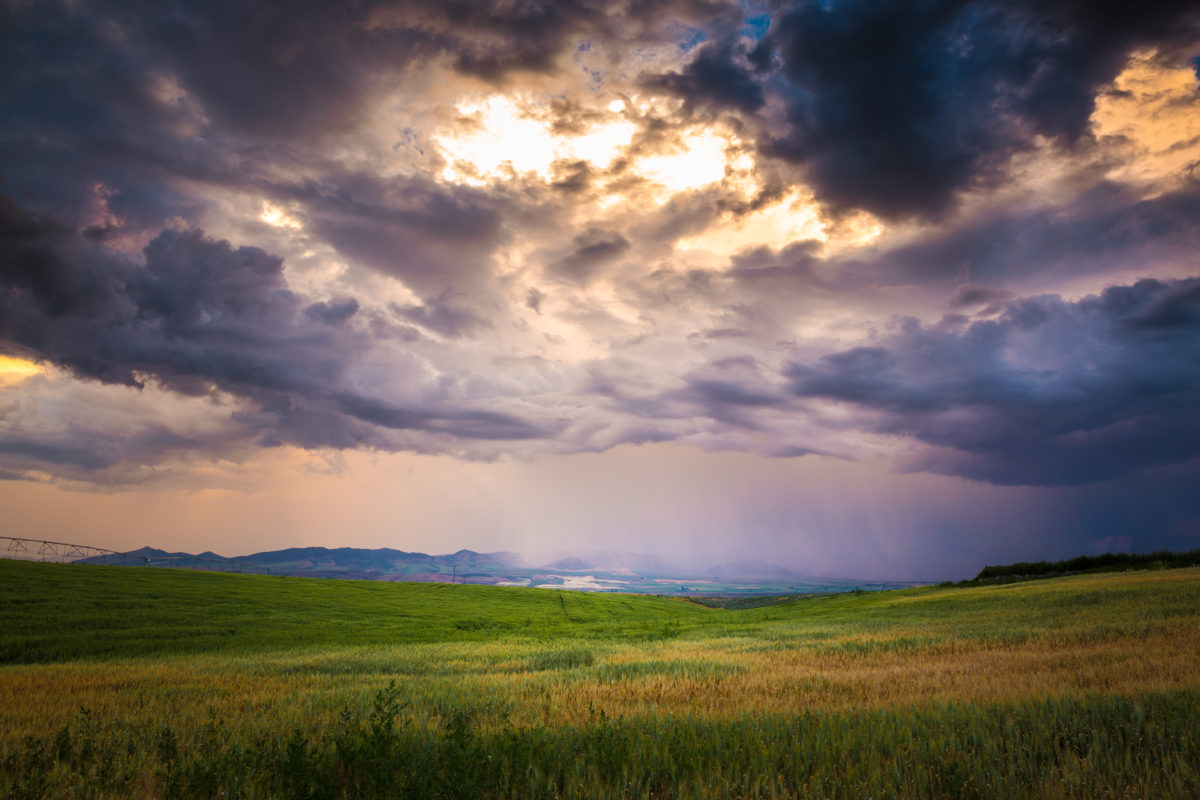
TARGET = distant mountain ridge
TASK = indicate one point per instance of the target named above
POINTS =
(628, 572)
(383, 559)
(378, 563)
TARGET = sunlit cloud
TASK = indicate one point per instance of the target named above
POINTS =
(793, 218)
(698, 160)
(14, 370)
(496, 139)
(1153, 109)
(277, 217)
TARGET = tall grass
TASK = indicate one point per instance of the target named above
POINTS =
(1141, 746)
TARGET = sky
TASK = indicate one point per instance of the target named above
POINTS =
(884, 289)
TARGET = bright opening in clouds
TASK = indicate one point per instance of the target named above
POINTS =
(793, 218)
(276, 217)
(698, 160)
(501, 140)
(865, 288)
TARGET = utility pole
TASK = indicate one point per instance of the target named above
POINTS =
(454, 573)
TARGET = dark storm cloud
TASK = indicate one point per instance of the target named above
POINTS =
(733, 392)
(492, 39)
(290, 70)
(130, 95)
(593, 249)
(195, 311)
(712, 334)
(729, 386)
(727, 401)
(988, 258)
(898, 106)
(197, 315)
(533, 300)
(465, 424)
(792, 264)
(444, 314)
(719, 76)
(571, 177)
(1105, 227)
(430, 237)
(498, 38)
(970, 295)
(1051, 393)
(21, 452)
(82, 453)
(335, 312)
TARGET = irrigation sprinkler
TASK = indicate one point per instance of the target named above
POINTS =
(23, 548)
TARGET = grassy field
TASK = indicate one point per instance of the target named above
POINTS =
(131, 682)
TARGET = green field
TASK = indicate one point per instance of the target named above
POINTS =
(137, 682)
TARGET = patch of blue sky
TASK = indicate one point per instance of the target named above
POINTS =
(687, 37)
(755, 27)
(755, 19)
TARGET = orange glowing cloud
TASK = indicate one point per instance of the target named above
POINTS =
(1155, 111)
(16, 370)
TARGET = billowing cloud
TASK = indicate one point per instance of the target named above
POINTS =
(721, 76)
(442, 315)
(899, 107)
(197, 317)
(431, 238)
(1107, 229)
(1049, 393)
